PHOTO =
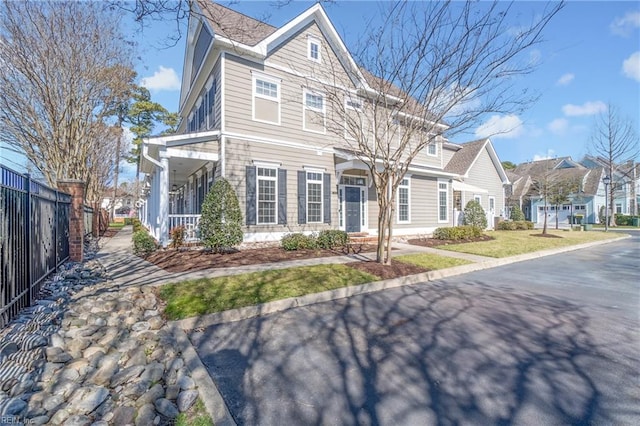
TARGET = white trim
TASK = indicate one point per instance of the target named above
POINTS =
(223, 98)
(446, 191)
(277, 142)
(408, 188)
(465, 187)
(266, 164)
(255, 76)
(435, 145)
(305, 107)
(266, 178)
(311, 39)
(321, 181)
(314, 169)
(194, 155)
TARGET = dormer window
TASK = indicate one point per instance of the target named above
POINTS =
(432, 149)
(313, 49)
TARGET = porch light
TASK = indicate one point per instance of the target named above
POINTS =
(174, 188)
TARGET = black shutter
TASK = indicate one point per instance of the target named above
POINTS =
(282, 197)
(251, 195)
(302, 197)
(326, 197)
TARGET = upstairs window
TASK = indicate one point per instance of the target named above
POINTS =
(313, 49)
(432, 149)
(313, 112)
(266, 99)
(211, 101)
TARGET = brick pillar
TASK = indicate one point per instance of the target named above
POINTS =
(76, 217)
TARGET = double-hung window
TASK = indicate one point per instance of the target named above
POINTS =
(267, 195)
(443, 196)
(403, 201)
(314, 197)
(432, 149)
(313, 111)
(313, 49)
(211, 100)
(266, 98)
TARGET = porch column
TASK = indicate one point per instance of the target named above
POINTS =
(164, 198)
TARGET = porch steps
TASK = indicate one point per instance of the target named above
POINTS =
(362, 238)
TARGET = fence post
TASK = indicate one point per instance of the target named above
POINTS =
(76, 217)
(27, 234)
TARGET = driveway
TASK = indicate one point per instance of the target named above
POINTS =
(550, 341)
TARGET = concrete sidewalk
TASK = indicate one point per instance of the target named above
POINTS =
(126, 269)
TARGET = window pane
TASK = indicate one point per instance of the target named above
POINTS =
(262, 171)
(314, 201)
(266, 89)
(432, 149)
(266, 200)
(403, 204)
(314, 101)
(313, 50)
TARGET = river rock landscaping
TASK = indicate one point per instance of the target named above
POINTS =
(91, 353)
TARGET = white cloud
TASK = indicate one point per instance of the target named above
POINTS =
(505, 127)
(625, 25)
(545, 156)
(163, 79)
(558, 126)
(631, 66)
(565, 79)
(588, 108)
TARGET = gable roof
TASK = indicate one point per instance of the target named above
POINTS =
(234, 25)
(462, 161)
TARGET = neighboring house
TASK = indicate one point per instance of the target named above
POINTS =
(124, 201)
(251, 112)
(480, 177)
(586, 198)
(625, 182)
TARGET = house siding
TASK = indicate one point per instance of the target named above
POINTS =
(242, 153)
(483, 174)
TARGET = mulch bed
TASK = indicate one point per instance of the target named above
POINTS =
(172, 260)
(385, 272)
(433, 242)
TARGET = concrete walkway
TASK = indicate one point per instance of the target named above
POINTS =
(128, 270)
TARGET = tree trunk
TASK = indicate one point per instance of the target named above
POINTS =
(557, 216)
(544, 227)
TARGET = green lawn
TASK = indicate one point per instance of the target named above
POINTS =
(511, 243)
(431, 261)
(208, 295)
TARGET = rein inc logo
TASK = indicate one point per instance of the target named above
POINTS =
(16, 420)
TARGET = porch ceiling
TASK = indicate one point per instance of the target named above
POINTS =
(181, 168)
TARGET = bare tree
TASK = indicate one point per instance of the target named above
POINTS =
(430, 68)
(615, 142)
(64, 66)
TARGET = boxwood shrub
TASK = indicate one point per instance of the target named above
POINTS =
(332, 238)
(143, 243)
(514, 225)
(298, 241)
(457, 232)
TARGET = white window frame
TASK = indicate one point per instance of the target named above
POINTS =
(492, 200)
(311, 40)
(266, 178)
(315, 182)
(322, 110)
(478, 198)
(255, 77)
(364, 202)
(435, 149)
(446, 191)
(211, 115)
(406, 186)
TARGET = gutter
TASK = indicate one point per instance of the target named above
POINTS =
(145, 154)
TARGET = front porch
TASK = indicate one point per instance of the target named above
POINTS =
(180, 170)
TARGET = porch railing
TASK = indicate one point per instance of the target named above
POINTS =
(191, 226)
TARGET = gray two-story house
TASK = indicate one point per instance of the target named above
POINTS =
(255, 110)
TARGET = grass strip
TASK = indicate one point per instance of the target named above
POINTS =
(431, 261)
(511, 243)
(208, 295)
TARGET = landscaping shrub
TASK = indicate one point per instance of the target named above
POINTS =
(137, 225)
(624, 220)
(507, 225)
(332, 238)
(457, 233)
(514, 225)
(177, 236)
(474, 215)
(298, 241)
(221, 220)
(143, 243)
(516, 214)
(524, 225)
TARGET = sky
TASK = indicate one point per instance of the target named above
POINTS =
(590, 58)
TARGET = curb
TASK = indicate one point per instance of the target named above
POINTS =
(207, 389)
(343, 292)
(209, 393)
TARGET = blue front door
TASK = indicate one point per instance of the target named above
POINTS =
(352, 209)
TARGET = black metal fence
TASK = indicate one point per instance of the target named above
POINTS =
(34, 238)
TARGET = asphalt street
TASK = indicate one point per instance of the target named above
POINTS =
(554, 340)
